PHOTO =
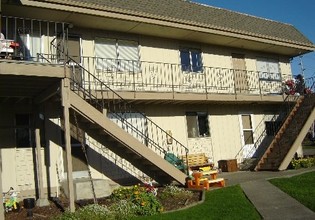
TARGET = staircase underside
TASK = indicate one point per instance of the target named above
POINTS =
(111, 136)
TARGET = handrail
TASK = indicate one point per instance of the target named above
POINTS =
(101, 96)
(137, 76)
(257, 133)
(277, 120)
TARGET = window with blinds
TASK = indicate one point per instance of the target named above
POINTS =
(116, 55)
(268, 69)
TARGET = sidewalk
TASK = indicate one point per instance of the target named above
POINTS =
(270, 201)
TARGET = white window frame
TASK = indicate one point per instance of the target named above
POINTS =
(247, 148)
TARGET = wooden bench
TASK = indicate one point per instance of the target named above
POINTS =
(196, 161)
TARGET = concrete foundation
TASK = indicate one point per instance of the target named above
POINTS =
(83, 188)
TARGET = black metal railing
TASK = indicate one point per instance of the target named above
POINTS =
(167, 77)
(137, 76)
(133, 121)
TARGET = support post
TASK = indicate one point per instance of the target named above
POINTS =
(42, 200)
(1, 196)
(1, 190)
(65, 89)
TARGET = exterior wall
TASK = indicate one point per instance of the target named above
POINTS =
(53, 162)
(105, 164)
(160, 65)
(18, 163)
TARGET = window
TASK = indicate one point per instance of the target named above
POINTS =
(247, 129)
(268, 69)
(197, 124)
(191, 60)
(116, 55)
(23, 132)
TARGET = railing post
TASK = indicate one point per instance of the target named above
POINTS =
(259, 84)
(234, 80)
(206, 85)
(172, 75)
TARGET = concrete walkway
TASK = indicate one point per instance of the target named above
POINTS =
(270, 201)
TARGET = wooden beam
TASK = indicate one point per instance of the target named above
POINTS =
(51, 91)
(65, 89)
(42, 200)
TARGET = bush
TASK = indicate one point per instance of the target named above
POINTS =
(94, 211)
(172, 191)
(123, 210)
(129, 202)
(303, 163)
(144, 200)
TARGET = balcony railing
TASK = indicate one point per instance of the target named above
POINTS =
(137, 76)
(166, 77)
(33, 36)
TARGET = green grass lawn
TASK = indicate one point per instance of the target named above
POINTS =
(225, 203)
(301, 187)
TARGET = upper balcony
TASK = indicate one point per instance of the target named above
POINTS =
(166, 82)
(42, 42)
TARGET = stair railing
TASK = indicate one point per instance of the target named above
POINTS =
(273, 124)
(308, 100)
(257, 135)
(103, 98)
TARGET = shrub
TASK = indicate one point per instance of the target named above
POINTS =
(303, 163)
(94, 211)
(172, 191)
(145, 201)
(123, 210)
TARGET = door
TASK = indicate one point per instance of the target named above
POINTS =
(74, 52)
(247, 135)
(30, 46)
(240, 78)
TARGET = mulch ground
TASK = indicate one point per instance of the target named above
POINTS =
(58, 205)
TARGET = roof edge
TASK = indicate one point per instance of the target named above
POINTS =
(164, 21)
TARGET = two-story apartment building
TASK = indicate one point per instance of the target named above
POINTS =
(107, 88)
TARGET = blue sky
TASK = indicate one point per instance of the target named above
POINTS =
(299, 13)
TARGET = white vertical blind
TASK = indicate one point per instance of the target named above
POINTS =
(105, 48)
(116, 55)
(268, 69)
